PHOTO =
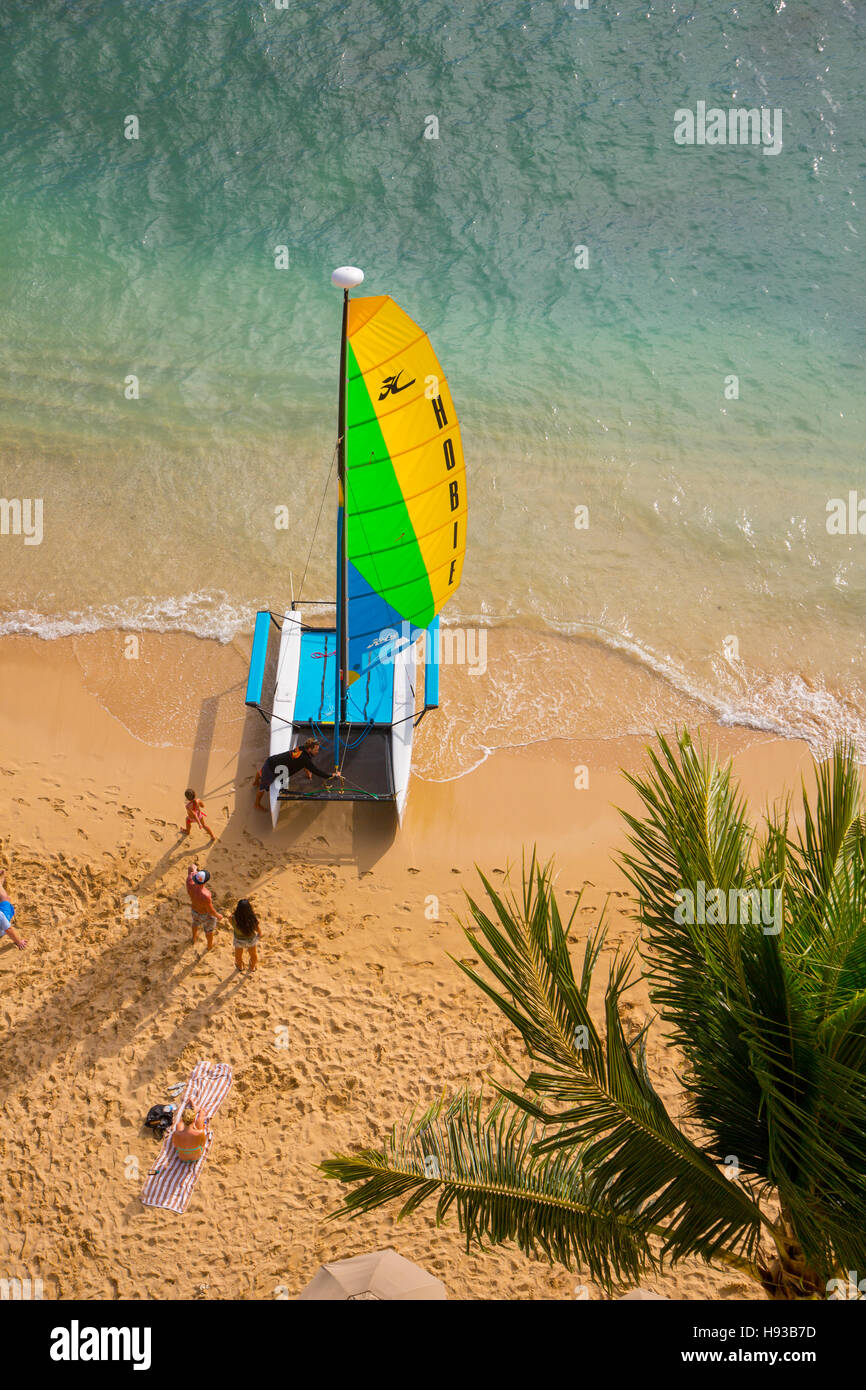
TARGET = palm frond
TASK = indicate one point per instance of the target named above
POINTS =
(748, 1004)
(579, 1161)
(596, 1093)
(693, 838)
(826, 830)
(484, 1164)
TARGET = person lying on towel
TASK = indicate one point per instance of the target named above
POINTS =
(189, 1134)
(282, 766)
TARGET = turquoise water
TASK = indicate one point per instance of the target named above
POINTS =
(601, 387)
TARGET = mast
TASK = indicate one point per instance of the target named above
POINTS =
(346, 277)
(342, 633)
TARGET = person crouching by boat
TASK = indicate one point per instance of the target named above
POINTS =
(204, 914)
(7, 912)
(189, 1135)
(284, 765)
(247, 934)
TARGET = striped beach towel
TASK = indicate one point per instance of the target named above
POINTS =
(170, 1182)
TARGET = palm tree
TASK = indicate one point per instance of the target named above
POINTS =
(580, 1162)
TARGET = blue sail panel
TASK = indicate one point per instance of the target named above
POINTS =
(376, 629)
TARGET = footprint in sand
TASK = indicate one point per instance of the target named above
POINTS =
(413, 871)
(455, 871)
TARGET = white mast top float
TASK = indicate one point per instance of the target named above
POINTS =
(346, 277)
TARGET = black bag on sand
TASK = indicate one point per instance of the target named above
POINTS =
(159, 1118)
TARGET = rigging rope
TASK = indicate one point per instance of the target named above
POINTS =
(318, 518)
(309, 556)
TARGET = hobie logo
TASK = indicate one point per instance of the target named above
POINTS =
(391, 386)
(737, 126)
(75, 1343)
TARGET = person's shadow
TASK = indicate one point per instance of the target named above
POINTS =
(187, 1030)
(83, 1012)
(177, 854)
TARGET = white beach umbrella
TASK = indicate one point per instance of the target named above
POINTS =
(382, 1275)
(636, 1295)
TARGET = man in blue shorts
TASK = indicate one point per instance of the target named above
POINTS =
(7, 912)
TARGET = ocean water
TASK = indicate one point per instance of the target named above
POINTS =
(706, 569)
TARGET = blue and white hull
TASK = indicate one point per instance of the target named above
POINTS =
(375, 753)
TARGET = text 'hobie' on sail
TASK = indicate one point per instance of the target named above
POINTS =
(401, 537)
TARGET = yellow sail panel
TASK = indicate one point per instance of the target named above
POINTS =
(407, 397)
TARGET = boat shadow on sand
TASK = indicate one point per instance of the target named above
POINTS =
(310, 831)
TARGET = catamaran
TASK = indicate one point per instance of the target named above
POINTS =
(401, 537)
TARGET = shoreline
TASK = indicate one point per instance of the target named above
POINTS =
(523, 681)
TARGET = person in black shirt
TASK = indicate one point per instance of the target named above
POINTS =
(293, 760)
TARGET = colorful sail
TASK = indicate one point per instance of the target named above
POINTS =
(406, 505)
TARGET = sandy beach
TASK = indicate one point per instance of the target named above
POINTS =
(355, 1015)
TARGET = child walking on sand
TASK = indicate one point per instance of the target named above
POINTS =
(247, 934)
(7, 912)
(204, 914)
(195, 812)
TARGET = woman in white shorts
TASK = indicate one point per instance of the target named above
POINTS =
(247, 934)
